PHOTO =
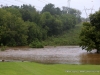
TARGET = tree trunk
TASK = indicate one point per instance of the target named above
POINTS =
(98, 51)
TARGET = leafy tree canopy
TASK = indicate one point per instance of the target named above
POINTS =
(51, 8)
(23, 25)
(13, 30)
(90, 34)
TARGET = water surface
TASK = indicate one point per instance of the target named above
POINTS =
(51, 55)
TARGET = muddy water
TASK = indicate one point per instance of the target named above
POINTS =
(51, 55)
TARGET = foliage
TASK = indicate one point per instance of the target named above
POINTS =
(13, 29)
(3, 48)
(51, 24)
(87, 35)
(34, 31)
(36, 44)
(51, 9)
(90, 34)
(22, 25)
(14, 11)
(70, 37)
(69, 21)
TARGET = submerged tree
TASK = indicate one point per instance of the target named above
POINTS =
(90, 34)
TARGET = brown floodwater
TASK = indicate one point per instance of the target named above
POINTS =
(51, 55)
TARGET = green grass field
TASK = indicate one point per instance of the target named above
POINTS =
(31, 68)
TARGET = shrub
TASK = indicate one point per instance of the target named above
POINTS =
(36, 44)
(3, 48)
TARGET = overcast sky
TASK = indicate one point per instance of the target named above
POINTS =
(39, 4)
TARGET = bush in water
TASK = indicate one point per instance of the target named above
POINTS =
(36, 44)
(3, 48)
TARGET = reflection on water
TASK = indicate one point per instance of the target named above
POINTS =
(50, 55)
(90, 58)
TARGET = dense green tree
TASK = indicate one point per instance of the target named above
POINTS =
(14, 11)
(28, 7)
(34, 32)
(45, 21)
(23, 25)
(29, 13)
(90, 34)
(57, 26)
(58, 11)
(13, 30)
(36, 17)
(26, 15)
(68, 20)
(51, 9)
(50, 23)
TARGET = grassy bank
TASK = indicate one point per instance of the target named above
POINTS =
(70, 37)
(29, 68)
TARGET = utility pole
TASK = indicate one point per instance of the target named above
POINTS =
(68, 5)
(68, 2)
(85, 9)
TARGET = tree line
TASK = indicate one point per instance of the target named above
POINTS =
(23, 25)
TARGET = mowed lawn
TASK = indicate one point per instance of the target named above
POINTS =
(31, 68)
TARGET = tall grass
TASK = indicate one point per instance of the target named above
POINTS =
(70, 37)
